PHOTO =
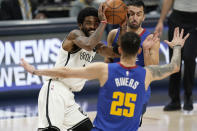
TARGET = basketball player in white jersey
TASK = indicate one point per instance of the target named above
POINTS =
(106, 77)
(57, 109)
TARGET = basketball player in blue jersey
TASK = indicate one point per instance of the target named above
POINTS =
(123, 84)
(149, 55)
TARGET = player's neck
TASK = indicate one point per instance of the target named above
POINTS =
(128, 62)
(137, 31)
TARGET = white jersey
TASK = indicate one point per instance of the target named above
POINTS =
(57, 94)
(79, 58)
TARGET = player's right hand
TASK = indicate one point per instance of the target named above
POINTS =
(29, 68)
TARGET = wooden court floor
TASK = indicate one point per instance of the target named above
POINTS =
(155, 119)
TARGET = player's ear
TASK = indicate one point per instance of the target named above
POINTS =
(144, 16)
(139, 50)
(119, 50)
(80, 26)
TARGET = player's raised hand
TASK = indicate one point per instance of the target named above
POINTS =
(178, 38)
(150, 41)
(101, 12)
(29, 68)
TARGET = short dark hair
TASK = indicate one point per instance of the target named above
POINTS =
(88, 11)
(137, 3)
(130, 43)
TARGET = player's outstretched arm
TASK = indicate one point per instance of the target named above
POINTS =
(97, 70)
(159, 72)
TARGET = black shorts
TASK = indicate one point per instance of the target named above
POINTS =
(84, 125)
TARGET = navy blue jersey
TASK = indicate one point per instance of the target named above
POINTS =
(140, 57)
(121, 99)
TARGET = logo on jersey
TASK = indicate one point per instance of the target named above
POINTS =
(137, 59)
(127, 73)
(86, 56)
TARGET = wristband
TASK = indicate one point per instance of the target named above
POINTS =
(33, 72)
(105, 22)
(176, 46)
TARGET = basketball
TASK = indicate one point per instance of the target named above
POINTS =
(116, 11)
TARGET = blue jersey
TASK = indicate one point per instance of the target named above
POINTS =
(140, 57)
(121, 99)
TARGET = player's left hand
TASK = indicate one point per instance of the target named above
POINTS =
(29, 68)
(150, 41)
(101, 12)
(178, 38)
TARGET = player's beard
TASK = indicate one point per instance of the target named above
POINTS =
(134, 26)
(88, 32)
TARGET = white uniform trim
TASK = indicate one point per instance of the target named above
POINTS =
(63, 111)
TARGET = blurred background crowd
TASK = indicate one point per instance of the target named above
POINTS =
(43, 9)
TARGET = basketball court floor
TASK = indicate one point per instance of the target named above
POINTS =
(155, 119)
(21, 114)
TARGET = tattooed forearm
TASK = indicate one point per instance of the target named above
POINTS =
(88, 43)
(176, 58)
(96, 36)
(160, 72)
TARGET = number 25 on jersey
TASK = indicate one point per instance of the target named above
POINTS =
(124, 99)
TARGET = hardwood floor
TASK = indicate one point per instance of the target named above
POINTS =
(155, 119)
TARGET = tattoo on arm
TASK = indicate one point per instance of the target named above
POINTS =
(90, 42)
(160, 72)
(176, 58)
(96, 36)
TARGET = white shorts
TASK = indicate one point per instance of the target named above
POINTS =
(63, 111)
